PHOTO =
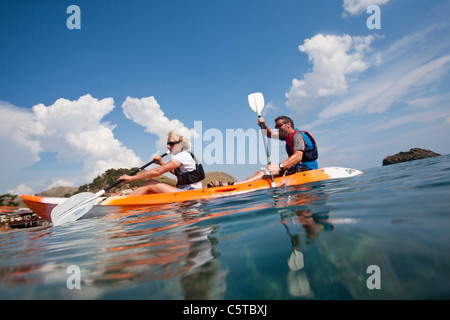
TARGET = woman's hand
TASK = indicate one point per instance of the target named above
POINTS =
(125, 178)
(158, 160)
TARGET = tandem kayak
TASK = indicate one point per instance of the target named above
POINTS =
(43, 206)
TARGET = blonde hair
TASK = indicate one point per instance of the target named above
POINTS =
(176, 136)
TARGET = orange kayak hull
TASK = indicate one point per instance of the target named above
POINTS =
(43, 206)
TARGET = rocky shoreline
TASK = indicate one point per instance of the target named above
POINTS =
(15, 218)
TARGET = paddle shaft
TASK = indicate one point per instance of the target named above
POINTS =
(265, 143)
(256, 102)
(134, 172)
(267, 150)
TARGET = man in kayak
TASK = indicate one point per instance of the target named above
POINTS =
(300, 147)
(184, 164)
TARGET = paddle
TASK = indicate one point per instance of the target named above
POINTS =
(256, 102)
(78, 205)
(296, 260)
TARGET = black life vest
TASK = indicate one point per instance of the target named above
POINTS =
(196, 175)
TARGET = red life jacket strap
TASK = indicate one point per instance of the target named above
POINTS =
(289, 140)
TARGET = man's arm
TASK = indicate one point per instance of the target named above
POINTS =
(289, 162)
(293, 160)
(271, 134)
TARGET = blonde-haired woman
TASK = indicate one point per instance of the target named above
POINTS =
(184, 165)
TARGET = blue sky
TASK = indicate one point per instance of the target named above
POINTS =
(76, 102)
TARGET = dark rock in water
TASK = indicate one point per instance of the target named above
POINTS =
(413, 154)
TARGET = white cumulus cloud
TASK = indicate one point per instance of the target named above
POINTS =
(77, 134)
(73, 130)
(337, 60)
(18, 149)
(147, 113)
(355, 7)
(22, 189)
(410, 72)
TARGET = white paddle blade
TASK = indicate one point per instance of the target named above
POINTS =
(256, 102)
(296, 261)
(73, 208)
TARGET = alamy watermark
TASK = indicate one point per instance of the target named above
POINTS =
(236, 146)
(374, 21)
(74, 20)
(374, 280)
(74, 279)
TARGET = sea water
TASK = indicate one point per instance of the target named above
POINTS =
(381, 235)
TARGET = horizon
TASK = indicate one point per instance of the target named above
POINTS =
(99, 88)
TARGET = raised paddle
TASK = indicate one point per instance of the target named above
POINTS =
(256, 102)
(78, 205)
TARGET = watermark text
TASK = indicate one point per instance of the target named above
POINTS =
(237, 146)
(74, 280)
(74, 20)
(374, 21)
(374, 280)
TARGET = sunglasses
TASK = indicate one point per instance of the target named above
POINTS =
(279, 125)
(172, 143)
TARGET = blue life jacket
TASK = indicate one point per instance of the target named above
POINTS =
(310, 154)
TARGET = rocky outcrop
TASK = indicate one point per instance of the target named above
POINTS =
(217, 176)
(413, 154)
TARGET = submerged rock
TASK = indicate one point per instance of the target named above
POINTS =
(413, 154)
